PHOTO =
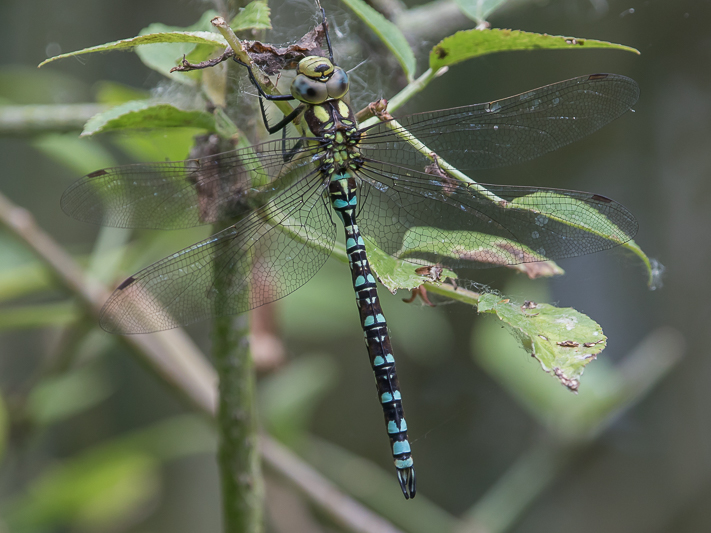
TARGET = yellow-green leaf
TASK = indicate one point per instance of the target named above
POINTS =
(196, 37)
(397, 274)
(164, 56)
(477, 247)
(563, 340)
(467, 44)
(255, 16)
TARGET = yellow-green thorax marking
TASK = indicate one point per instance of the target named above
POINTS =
(321, 85)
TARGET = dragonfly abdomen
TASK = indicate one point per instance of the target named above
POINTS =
(342, 189)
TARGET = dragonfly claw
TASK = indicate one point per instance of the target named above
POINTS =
(406, 477)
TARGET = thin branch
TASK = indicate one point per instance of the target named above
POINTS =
(351, 515)
(33, 119)
(238, 453)
(240, 53)
(187, 66)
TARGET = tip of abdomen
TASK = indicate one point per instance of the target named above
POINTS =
(406, 477)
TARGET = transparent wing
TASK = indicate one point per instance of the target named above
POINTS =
(182, 194)
(268, 254)
(438, 219)
(508, 131)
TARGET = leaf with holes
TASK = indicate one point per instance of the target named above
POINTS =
(397, 274)
(563, 340)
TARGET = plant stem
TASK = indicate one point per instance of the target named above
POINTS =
(221, 25)
(238, 455)
(33, 119)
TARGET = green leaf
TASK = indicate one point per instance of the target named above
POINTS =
(563, 340)
(608, 388)
(196, 37)
(499, 353)
(163, 57)
(474, 43)
(580, 215)
(573, 213)
(480, 247)
(255, 16)
(388, 32)
(147, 114)
(395, 273)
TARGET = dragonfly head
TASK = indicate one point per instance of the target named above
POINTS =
(318, 80)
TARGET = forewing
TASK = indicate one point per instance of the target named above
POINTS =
(421, 217)
(268, 254)
(508, 131)
(182, 194)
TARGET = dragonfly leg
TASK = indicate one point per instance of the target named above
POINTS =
(325, 27)
(288, 155)
(272, 98)
(281, 125)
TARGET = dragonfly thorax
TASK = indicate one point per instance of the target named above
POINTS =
(318, 80)
(334, 124)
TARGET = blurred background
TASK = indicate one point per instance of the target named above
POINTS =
(93, 441)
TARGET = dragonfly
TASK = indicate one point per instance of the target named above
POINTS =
(287, 198)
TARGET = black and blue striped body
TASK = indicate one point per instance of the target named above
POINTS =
(342, 189)
(334, 124)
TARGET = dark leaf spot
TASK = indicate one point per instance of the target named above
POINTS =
(440, 52)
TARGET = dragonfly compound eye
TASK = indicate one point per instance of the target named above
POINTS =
(315, 67)
(308, 90)
(337, 86)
